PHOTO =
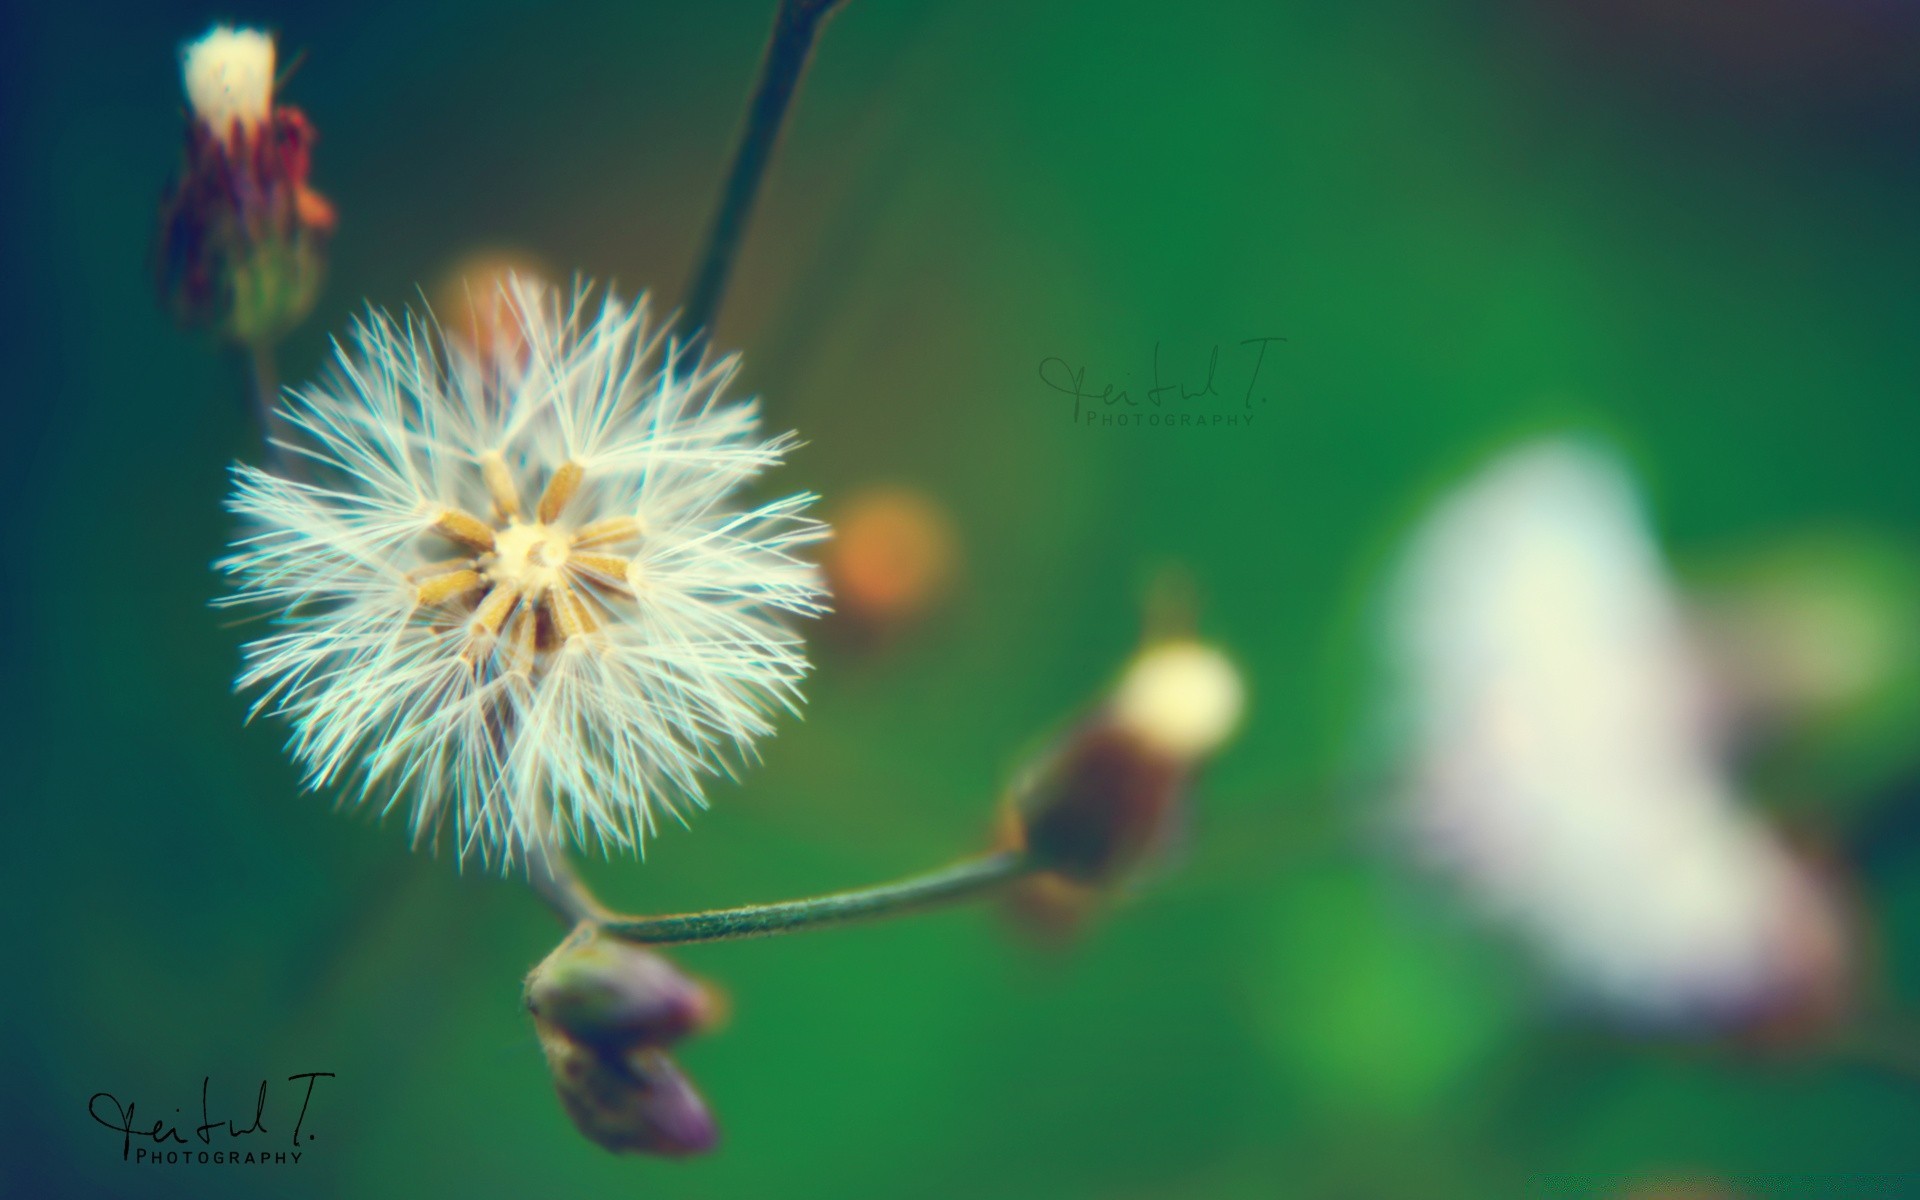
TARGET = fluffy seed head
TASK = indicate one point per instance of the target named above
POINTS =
(229, 78)
(508, 588)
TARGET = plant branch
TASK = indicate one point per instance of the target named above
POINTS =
(553, 879)
(796, 26)
(961, 881)
(262, 388)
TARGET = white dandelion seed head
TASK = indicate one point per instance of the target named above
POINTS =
(1564, 764)
(229, 78)
(510, 591)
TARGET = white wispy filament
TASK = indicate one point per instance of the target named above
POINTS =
(509, 591)
(1564, 766)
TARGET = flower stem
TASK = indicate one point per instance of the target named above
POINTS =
(963, 880)
(795, 27)
(263, 394)
(553, 879)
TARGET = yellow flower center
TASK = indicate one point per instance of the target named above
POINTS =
(530, 583)
(530, 557)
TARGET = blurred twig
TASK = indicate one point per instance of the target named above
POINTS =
(795, 29)
(262, 374)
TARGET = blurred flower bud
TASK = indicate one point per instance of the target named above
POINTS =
(628, 1100)
(474, 301)
(242, 236)
(1051, 908)
(892, 558)
(1105, 799)
(604, 992)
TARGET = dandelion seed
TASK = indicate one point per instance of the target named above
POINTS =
(512, 596)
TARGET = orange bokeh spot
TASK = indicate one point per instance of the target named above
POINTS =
(892, 556)
(471, 300)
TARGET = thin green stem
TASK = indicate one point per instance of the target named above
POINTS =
(552, 878)
(264, 375)
(961, 881)
(263, 395)
(796, 26)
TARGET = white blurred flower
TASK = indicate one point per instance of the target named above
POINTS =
(1563, 765)
(513, 595)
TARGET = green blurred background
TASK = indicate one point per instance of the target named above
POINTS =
(1691, 228)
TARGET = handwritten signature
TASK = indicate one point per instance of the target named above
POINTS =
(163, 1132)
(1060, 375)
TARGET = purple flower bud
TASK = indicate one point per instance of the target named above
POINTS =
(633, 1100)
(615, 995)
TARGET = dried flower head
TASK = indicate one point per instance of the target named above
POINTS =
(242, 235)
(1102, 801)
(229, 79)
(512, 592)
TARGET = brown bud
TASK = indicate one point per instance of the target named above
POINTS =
(1051, 908)
(1098, 806)
(603, 1009)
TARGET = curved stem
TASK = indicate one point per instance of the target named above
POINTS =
(552, 877)
(961, 881)
(795, 28)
